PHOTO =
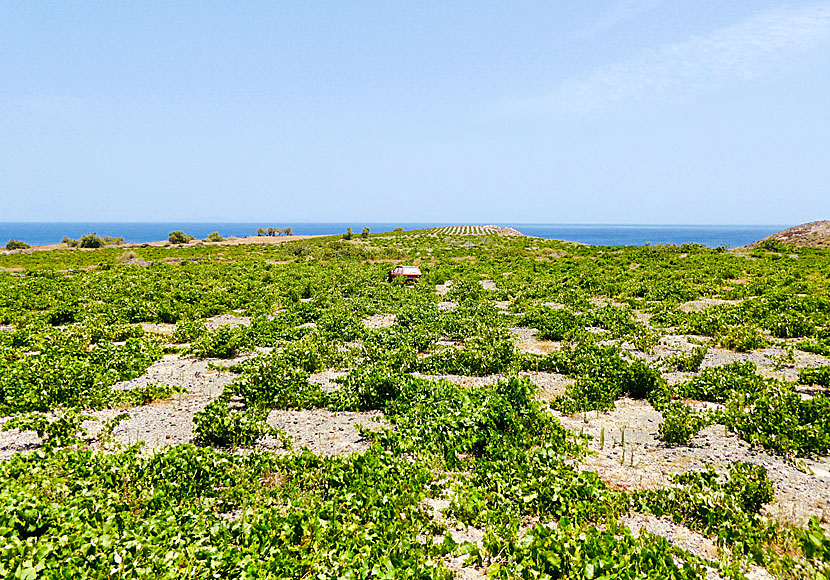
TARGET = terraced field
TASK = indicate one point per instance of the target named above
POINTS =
(528, 409)
(473, 231)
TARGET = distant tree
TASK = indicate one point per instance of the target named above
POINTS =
(215, 237)
(69, 242)
(261, 231)
(111, 241)
(348, 234)
(179, 237)
(16, 245)
(398, 230)
(365, 233)
(288, 231)
(91, 241)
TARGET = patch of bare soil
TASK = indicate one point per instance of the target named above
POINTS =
(526, 341)
(325, 432)
(158, 328)
(191, 373)
(677, 534)
(229, 320)
(704, 303)
(442, 289)
(628, 455)
(812, 234)
(549, 384)
(379, 321)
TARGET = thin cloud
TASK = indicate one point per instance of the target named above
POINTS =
(618, 13)
(751, 49)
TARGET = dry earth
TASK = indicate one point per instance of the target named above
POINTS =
(624, 449)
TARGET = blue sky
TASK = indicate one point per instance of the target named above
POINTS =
(620, 111)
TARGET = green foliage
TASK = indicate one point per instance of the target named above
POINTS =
(144, 395)
(188, 331)
(502, 460)
(58, 431)
(179, 237)
(224, 342)
(821, 347)
(225, 425)
(718, 384)
(602, 376)
(214, 237)
(91, 241)
(773, 245)
(687, 362)
(274, 382)
(680, 423)
(69, 374)
(781, 420)
(585, 553)
(742, 339)
(553, 324)
(791, 325)
(815, 376)
(16, 245)
(724, 508)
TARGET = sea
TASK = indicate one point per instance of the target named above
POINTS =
(729, 236)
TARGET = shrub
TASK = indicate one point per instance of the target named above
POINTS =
(815, 376)
(189, 331)
(680, 424)
(179, 237)
(821, 346)
(91, 241)
(791, 325)
(687, 362)
(749, 485)
(718, 384)
(16, 245)
(782, 421)
(553, 324)
(743, 339)
(773, 245)
(221, 425)
(69, 242)
(348, 234)
(113, 241)
(214, 237)
(365, 233)
(271, 382)
(224, 342)
(63, 430)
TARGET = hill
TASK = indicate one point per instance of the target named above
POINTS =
(813, 235)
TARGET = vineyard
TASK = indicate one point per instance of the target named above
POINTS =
(528, 409)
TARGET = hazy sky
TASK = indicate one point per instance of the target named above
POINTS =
(621, 111)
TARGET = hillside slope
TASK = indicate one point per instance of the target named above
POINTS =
(813, 234)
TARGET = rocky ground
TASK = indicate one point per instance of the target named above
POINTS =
(624, 448)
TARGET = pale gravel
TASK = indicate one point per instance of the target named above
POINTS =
(649, 464)
(379, 321)
(325, 432)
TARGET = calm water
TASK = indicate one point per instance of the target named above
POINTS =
(36, 233)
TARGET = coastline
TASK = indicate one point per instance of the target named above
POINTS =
(233, 241)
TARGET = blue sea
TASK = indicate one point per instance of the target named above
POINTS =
(730, 236)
